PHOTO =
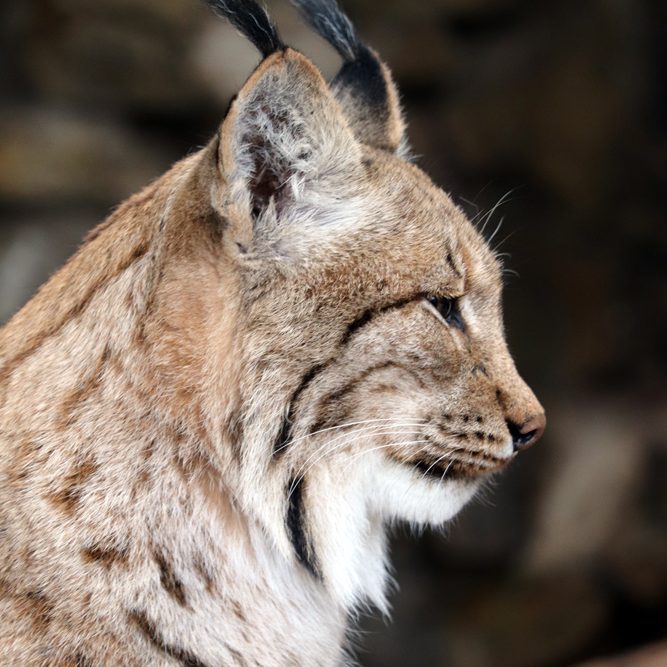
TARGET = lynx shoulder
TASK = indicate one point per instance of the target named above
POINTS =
(209, 416)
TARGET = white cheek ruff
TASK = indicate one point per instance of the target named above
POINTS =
(348, 514)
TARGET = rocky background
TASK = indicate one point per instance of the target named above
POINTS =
(556, 106)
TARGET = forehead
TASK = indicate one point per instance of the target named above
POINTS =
(384, 226)
(416, 226)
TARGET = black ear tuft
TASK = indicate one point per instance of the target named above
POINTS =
(361, 69)
(252, 21)
(329, 21)
(363, 86)
(363, 77)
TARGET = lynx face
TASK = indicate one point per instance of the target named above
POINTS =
(393, 327)
(371, 349)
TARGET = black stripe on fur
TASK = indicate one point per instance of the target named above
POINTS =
(285, 434)
(369, 315)
(252, 21)
(296, 528)
(150, 631)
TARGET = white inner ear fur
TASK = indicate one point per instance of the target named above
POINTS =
(290, 134)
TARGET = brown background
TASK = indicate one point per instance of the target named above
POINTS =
(558, 102)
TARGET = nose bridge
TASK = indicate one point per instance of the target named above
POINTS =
(516, 398)
(522, 411)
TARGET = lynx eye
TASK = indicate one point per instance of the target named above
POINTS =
(448, 309)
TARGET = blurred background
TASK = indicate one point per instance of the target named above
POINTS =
(556, 106)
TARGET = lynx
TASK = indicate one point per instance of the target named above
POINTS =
(210, 416)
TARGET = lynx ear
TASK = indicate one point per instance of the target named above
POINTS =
(364, 86)
(285, 141)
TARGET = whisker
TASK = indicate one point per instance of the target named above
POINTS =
(310, 463)
(366, 429)
(435, 463)
(351, 437)
(472, 204)
(507, 238)
(496, 230)
(391, 444)
(503, 200)
(448, 451)
(345, 425)
(446, 470)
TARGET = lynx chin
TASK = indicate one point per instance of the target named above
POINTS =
(212, 412)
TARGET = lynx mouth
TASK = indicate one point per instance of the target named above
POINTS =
(458, 467)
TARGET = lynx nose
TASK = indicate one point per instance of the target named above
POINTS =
(528, 433)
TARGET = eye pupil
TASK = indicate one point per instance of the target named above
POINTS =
(448, 309)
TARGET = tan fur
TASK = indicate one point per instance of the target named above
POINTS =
(145, 518)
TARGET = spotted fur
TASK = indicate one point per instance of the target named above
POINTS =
(209, 416)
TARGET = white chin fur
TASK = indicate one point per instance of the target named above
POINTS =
(402, 493)
(347, 519)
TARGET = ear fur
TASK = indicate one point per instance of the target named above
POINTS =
(364, 86)
(284, 139)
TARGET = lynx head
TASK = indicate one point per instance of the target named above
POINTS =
(361, 370)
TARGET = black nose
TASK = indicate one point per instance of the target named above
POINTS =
(528, 433)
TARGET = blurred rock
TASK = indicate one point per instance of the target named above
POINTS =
(637, 552)
(526, 623)
(53, 156)
(526, 90)
(650, 656)
(473, 619)
(596, 471)
(32, 250)
(128, 54)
